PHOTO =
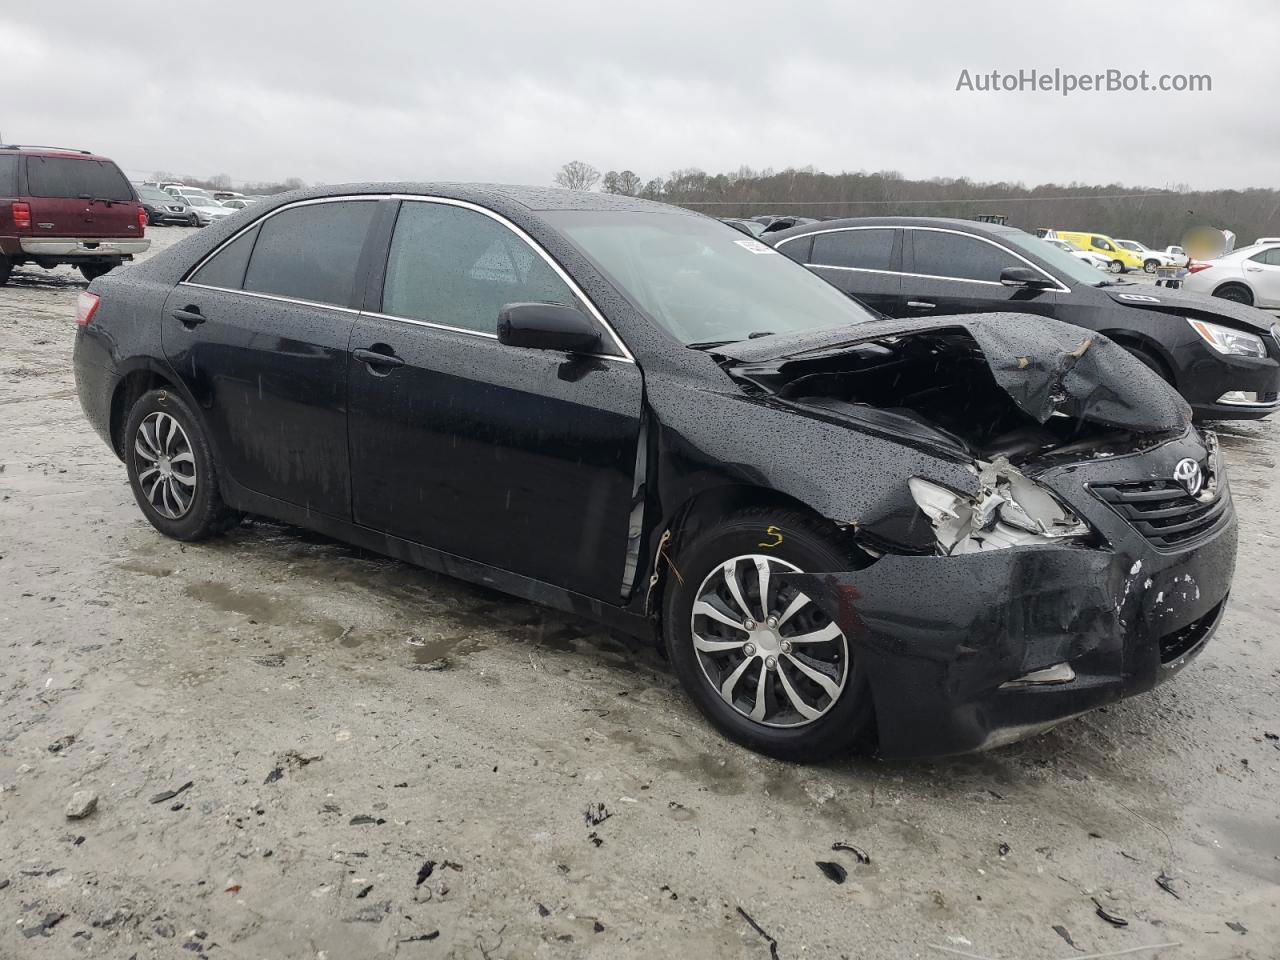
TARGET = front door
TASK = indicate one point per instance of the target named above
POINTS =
(517, 458)
(259, 335)
(946, 272)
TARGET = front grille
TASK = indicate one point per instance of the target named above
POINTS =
(1184, 640)
(1164, 513)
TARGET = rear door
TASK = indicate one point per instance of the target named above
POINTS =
(862, 261)
(517, 458)
(946, 271)
(259, 335)
(79, 197)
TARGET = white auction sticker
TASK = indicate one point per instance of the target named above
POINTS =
(755, 246)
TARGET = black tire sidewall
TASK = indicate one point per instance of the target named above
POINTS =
(848, 725)
(207, 514)
(1236, 294)
(6, 268)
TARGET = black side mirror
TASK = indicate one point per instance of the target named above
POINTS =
(1023, 277)
(547, 326)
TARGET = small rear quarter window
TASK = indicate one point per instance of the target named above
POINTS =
(226, 268)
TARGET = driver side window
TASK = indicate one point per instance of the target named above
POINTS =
(458, 268)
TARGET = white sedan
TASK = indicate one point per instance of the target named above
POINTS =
(1249, 275)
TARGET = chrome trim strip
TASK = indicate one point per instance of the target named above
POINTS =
(271, 296)
(537, 248)
(1058, 287)
(1257, 404)
(627, 356)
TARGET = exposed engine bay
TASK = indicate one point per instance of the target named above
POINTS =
(938, 387)
(987, 390)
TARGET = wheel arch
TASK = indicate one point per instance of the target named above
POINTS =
(700, 510)
(1235, 282)
(146, 374)
(1147, 344)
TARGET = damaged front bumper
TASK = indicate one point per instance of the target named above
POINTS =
(949, 642)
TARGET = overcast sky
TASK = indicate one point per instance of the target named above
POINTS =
(399, 89)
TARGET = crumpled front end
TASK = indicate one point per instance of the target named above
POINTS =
(980, 647)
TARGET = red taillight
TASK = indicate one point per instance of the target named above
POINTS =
(1197, 267)
(86, 307)
(142, 221)
(21, 215)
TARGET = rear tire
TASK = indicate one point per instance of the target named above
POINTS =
(1150, 266)
(92, 271)
(6, 268)
(839, 716)
(1235, 292)
(171, 469)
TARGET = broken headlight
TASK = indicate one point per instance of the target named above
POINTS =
(1009, 510)
(1229, 341)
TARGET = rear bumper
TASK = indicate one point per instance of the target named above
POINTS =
(82, 248)
(942, 638)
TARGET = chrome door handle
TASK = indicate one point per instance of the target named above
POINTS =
(921, 304)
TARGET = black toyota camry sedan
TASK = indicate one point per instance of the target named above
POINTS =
(1223, 357)
(921, 536)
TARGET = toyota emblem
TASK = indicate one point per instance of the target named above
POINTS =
(1189, 474)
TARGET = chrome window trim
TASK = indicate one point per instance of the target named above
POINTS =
(1059, 286)
(271, 296)
(626, 357)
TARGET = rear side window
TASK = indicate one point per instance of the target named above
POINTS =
(1270, 257)
(860, 249)
(226, 269)
(459, 268)
(960, 257)
(311, 252)
(8, 175)
(76, 177)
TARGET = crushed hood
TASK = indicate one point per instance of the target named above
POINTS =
(1183, 303)
(1045, 366)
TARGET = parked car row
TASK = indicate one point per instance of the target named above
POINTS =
(1224, 358)
(883, 491)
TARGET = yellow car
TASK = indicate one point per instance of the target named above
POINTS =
(1119, 258)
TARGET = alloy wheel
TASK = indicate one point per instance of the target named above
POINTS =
(765, 647)
(165, 465)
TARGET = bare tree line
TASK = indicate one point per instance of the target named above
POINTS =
(1156, 216)
(222, 181)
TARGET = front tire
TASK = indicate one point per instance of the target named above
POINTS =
(171, 469)
(777, 676)
(1116, 266)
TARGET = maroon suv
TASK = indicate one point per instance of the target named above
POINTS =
(66, 206)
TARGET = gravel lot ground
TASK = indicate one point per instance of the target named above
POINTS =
(371, 761)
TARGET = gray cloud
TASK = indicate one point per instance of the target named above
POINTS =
(509, 91)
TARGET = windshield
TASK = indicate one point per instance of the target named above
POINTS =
(1131, 245)
(1069, 266)
(702, 280)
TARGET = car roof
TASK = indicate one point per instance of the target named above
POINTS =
(531, 198)
(950, 223)
(40, 151)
